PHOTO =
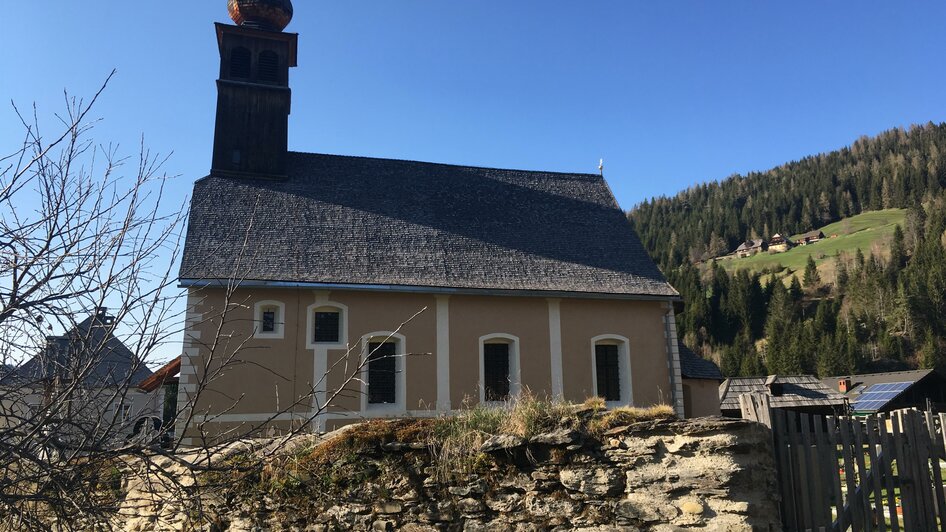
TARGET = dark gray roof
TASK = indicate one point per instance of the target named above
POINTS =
(860, 382)
(797, 391)
(361, 221)
(89, 349)
(750, 244)
(693, 366)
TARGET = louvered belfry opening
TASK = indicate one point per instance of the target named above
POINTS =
(496, 372)
(240, 63)
(382, 373)
(268, 67)
(607, 369)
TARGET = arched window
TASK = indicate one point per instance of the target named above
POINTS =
(383, 377)
(327, 325)
(499, 368)
(268, 67)
(611, 369)
(269, 319)
(240, 63)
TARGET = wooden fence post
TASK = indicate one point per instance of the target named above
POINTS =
(756, 407)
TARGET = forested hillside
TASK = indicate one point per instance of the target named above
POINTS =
(883, 311)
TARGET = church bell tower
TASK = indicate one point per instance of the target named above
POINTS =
(253, 95)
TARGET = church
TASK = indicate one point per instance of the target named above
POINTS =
(326, 289)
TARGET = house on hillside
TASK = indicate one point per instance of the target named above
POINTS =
(810, 238)
(441, 286)
(103, 372)
(701, 380)
(751, 247)
(780, 244)
(885, 392)
(798, 393)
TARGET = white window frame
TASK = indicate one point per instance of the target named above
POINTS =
(321, 306)
(515, 378)
(279, 325)
(400, 376)
(624, 367)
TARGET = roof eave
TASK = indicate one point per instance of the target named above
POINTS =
(439, 290)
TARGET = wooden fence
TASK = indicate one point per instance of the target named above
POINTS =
(837, 473)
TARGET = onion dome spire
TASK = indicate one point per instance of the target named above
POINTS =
(268, 15)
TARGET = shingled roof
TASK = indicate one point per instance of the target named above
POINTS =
(693, 366)
(341, 220)
(797, 391)
(88, 349)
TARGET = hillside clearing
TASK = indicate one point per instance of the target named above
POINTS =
(869, 232)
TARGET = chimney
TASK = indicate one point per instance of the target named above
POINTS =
(844, 385)
(102, 317)
(251, 134)
(775, 388)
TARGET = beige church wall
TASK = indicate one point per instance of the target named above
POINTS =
(641, 322)
(370, 312)
(249, 375)
(472, 317)
(700, 397)
(265, 376)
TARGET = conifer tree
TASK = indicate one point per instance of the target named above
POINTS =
(795, 290)
(812, 277)
(898, 250)
(930, 355)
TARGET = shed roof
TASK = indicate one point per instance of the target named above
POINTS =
(167, 373)
(862, 383)
(693, 366)
(797, 391)
(362, 221)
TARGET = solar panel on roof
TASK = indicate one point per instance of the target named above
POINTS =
(877, 396)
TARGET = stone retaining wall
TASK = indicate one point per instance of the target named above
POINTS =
(706, 474)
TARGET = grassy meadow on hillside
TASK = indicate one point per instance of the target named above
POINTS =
(870, 231)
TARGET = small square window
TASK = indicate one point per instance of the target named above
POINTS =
(327, 327)
(269, 321)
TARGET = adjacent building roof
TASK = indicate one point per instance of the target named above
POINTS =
(693, 366)
(167, 374)
(750, 244)
(811, 235)
(89, 350)
(341, 220)
(873, 392)
(798, 391)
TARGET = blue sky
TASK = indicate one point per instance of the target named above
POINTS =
(668, 93)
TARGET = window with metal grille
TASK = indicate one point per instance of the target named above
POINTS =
(607, 370)
(268, 66)
(327, 327)
(240, 63)
(269, 320)
(496, 372)
(382, 373)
